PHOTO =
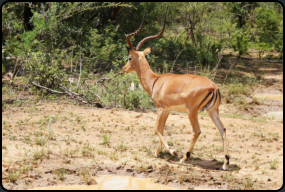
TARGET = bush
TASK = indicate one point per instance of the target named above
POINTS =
(241, 39)
(207, 53)
(118, 93)
(106, 48)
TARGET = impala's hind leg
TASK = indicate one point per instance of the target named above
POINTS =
(162, 115)
(193, 117)
(214, 114)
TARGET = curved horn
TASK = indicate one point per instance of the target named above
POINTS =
(135, 33)
(151, 37)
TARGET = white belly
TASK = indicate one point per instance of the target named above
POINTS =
(181, 108)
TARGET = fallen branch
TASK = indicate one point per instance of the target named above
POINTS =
(269, 61)
(103, 79)
(84, 81)
(76, 96)
(68, 91)
(40, 86)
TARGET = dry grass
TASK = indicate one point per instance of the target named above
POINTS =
(128, 138)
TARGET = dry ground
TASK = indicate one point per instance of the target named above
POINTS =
(61, 144)
(58, 143)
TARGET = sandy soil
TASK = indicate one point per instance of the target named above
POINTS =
(57, 144)
(72, 139)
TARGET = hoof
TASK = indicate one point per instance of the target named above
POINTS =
(173, 152)
(155, 154)
(225, 167)
(181, 161)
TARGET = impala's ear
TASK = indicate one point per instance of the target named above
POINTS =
(147, 51)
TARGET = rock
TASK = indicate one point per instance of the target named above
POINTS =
(129, 170)
(149, 170)
(92, 182)
(35, 176)
(29, 180)
(48, 171)
(118, 167)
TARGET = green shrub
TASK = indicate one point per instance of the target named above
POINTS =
(117, 92)
(207, 53)
(238, 89)
(241, 40)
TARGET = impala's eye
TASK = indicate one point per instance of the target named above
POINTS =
(130, 58)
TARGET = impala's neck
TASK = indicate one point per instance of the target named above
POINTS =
(146, 75)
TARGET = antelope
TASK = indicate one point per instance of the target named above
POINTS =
(185, 93)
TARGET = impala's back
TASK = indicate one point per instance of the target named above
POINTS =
(177, 92)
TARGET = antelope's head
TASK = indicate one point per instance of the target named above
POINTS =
(135, 56)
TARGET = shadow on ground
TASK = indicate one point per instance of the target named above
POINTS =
(198, 162)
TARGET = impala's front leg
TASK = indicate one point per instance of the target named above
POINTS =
(159, 127)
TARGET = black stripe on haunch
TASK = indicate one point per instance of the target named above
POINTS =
(216, 98)
(205, 99)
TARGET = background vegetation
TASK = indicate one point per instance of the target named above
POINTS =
(61, 44)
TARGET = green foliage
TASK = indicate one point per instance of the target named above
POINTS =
(38, 45)
(207, 53)
(3, 69)
(270, 32)
(119, 94)
(164, 52)
(76, 38)
(267, 22)
(241, 13)
(106, 47)
(13, 176)
(72, 32)
(240, 43)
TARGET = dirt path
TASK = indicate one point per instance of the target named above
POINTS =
(50, 144)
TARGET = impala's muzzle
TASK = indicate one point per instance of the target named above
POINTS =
(124, 70)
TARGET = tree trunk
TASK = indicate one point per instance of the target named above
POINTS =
(111, 14)
(27, 15)
(192, 36)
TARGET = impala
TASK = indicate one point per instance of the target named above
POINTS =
(185, 93)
